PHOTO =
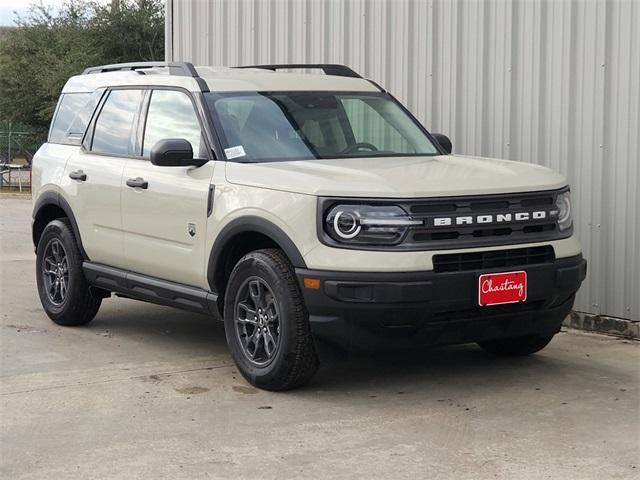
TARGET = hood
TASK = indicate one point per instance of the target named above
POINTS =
(396, 177)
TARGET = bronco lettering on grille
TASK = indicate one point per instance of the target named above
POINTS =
(493, 218)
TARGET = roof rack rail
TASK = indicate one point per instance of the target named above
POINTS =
(327, 68)
(184, 69)
(175, 68)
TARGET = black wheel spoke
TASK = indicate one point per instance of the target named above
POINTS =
(53, 289)
(255, 290)
(55, 272)
(269, 342)
(257, 321)
(271, 311)
(55, 248)
(63, 288)
(246, 314)
(255, 341)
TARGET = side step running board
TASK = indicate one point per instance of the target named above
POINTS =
(151, 289)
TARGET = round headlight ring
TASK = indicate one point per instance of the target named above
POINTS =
(346, 224)
(563, 204)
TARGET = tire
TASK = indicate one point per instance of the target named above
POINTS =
(516, 346)
(76, 304)
(263, 293)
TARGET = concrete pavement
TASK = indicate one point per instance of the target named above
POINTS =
(151, 392)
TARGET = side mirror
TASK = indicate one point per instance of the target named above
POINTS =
(174, 152)
(444, 141)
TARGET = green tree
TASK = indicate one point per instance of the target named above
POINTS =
(48, 45)
(129, 31)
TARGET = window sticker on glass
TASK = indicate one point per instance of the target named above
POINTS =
(234, 152)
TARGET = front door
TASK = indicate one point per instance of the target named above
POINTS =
(164, 220)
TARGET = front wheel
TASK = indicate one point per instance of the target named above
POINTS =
(266, 323)
(516, 346)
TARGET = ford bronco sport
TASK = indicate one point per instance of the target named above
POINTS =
(293, 206)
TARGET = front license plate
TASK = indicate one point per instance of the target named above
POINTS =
(500, 288)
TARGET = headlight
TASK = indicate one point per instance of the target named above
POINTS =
(563, 206)
(368, 224)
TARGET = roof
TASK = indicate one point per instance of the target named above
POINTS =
(218, 79)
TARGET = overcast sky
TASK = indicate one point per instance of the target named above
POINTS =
(8, 7)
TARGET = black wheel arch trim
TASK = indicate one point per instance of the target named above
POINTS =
(54, 198)
(250, 224)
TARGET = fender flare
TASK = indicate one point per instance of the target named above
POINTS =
(256, 225)
(54, 198)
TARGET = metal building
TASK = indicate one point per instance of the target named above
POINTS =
(552, 82)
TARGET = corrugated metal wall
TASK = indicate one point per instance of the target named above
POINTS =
(551, 82)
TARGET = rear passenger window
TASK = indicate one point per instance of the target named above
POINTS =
(112, 133)
(72, 117)
(171, 115)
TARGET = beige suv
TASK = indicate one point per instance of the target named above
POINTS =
(294, 206)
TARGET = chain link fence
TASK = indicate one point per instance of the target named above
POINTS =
(17, 147)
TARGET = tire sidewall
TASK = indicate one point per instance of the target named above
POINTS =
(258, 265)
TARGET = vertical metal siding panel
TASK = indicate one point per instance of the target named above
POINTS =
(431, 104)
(447, 64)
(632, 153)
(512, 102)
(501, 89)
(278, 26)
(622, 71)
(509, 79)
(356, 35)
(246, 28)
(530, 93)
(466, 96)
(421, 61)
(417, 84)
(297, 21)
(589, 140)
(585, 215)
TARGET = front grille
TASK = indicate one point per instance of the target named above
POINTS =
(477, 233)
(516, 257)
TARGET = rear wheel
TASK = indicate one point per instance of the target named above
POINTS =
(64, 292)
(266, 323)
(516, 346)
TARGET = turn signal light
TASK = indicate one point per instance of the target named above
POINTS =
(313, 283)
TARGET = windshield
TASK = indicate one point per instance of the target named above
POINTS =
(312, 125)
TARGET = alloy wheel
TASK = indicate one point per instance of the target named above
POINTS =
(257, 321)
(55, 272)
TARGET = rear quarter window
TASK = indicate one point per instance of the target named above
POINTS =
(72, 117)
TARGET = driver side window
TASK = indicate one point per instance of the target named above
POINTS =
(171, 115)
(370, 127)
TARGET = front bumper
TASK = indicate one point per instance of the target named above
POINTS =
(427, 308)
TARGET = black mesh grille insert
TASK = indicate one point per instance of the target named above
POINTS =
(483, 220)
(516, 257)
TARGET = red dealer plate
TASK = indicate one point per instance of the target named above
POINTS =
(499, 288)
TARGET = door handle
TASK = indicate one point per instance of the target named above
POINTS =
(78, 175)
(138, 183)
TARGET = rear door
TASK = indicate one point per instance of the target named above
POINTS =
(92, 180)
(165, 223)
